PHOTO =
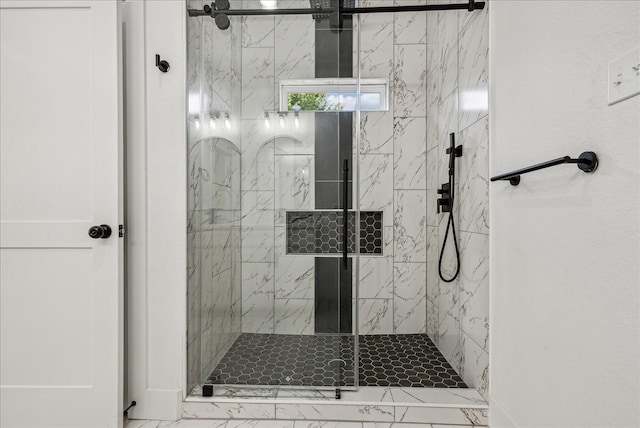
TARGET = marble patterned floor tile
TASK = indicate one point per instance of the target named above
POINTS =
(439, 415)
(228, 411)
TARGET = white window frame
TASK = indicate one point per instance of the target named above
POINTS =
(335, 86)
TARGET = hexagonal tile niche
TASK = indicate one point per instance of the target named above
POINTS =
(320, 232)
(401, 360)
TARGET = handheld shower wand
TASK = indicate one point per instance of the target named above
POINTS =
(445, 204)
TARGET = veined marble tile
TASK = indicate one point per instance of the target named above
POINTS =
(433, 42)
(206, 276)
(409, 153)
(257, 208)
(327, 424)
(438, 396)
(258, 82)
(257, 31)
(465, 17)
(220, 256)
(258, 243)
(447, 121)
(376, 277)
(302, 141)
(376, 43)
(222, 329)
(473, 58)
(410, 229)
(376, 316)
(376, 185)
(432, 319)
(193, 285)
(295, 184)
(257, 163)
(193, 364)
(219, 48)
(410, 81)
(474, 290)
(433, 106)
(433, 253)
(335, 412)
(207, 351)
(257, 297)
(294, 316)
(409, 297)
(295, 275)
(194, 197)
(228, 410)
(449, 323)
(410, 27)
(474, 178)
(376, 132)
(294, 45)
(433, 184)
(139, 423)
(440, 415)
(448, 35)
(475, 368)
(389, 242)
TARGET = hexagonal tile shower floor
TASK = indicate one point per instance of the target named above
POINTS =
(403, 360)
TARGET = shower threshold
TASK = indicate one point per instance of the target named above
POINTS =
(277, 361)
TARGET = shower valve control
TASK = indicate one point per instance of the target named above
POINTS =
(444, 203)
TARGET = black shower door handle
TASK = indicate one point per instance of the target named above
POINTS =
(345, 212)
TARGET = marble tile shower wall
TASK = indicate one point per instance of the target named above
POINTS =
(393, 164)
(277, 172)
(214, 282)
(457, 101)
(437, 62)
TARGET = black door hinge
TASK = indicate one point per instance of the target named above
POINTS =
(121, 230)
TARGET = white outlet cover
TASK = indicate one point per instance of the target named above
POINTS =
(624, 77)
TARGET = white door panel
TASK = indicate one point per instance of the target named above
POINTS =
(60, 147)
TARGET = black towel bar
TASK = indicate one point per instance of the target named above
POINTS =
(587, 162)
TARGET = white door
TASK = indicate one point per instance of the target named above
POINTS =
(60, 148)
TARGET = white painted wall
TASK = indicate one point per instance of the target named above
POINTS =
(564, 244)
(156, 207)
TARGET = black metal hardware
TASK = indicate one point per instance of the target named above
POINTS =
(126, 411)
(121, 231)
(207, 390)
(338, 395)
(587, 162)
(100, 232)
(221, 8)
(345, 212)
(162, 64)
(445, 204)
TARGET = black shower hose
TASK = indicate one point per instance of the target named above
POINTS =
(450, 223)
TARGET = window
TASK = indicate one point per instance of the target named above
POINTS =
(334, 95)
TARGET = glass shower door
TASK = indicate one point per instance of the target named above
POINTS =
(289, 320)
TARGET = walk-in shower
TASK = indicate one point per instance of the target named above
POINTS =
(308, 196)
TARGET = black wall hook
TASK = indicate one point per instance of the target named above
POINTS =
(162, 64)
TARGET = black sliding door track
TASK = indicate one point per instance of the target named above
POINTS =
(214, 10)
